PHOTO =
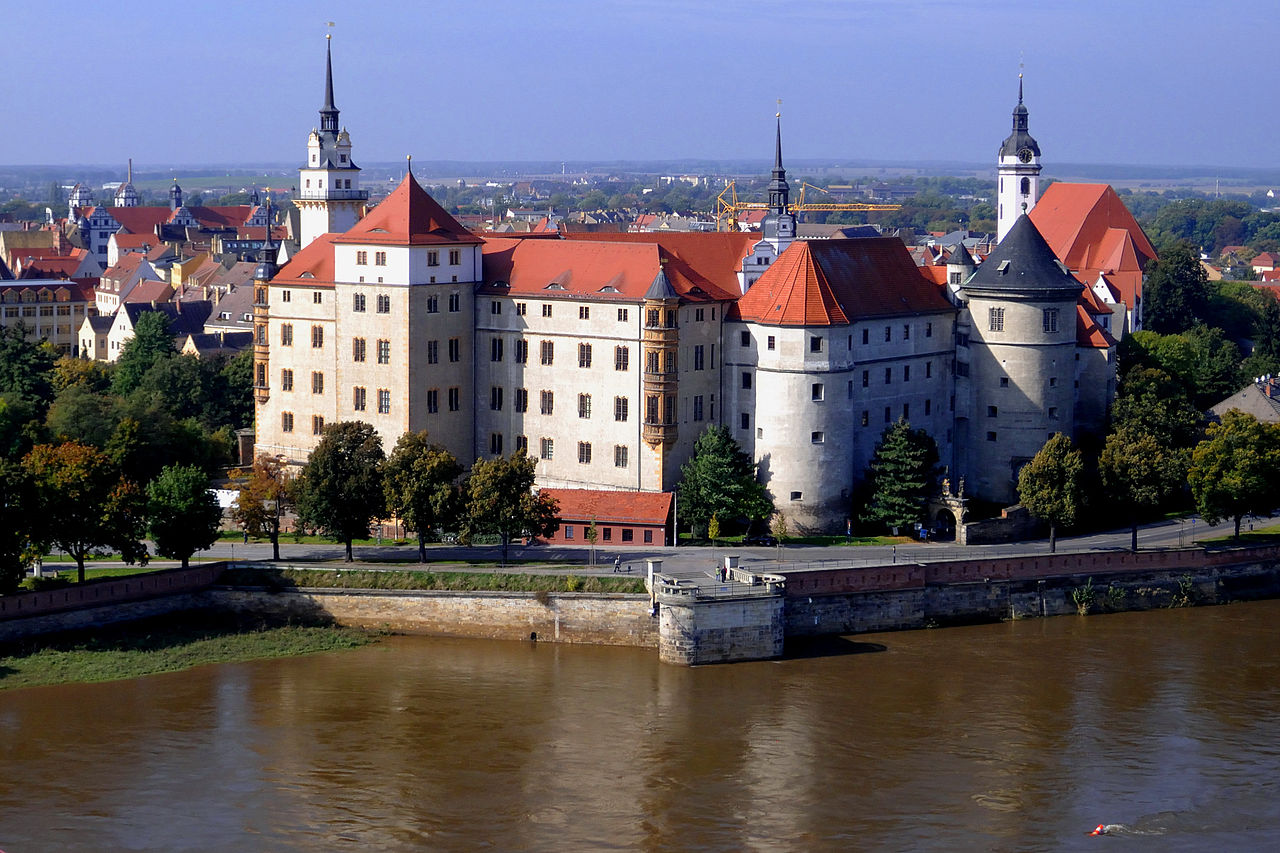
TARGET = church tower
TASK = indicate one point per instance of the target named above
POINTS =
(779, 226)
(329, 197)
(1018, 170)
(126, 195)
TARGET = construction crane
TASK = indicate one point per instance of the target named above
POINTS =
(729, 209)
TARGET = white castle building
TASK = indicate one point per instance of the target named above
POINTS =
(606, 355)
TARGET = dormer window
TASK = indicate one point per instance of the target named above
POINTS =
(344, 158)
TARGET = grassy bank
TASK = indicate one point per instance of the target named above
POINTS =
(164, 644)
(456, 581)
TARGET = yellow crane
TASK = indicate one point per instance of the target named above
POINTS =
(729, 208)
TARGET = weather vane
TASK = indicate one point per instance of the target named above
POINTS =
(778, 114)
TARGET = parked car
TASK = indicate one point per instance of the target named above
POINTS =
(761, 539)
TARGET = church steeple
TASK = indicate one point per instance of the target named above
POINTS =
(1019, 170)
(328, 112)
(779, 226)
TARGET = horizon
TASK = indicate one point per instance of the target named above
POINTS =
(655, 80)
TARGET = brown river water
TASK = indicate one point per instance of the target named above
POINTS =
(1020, 736)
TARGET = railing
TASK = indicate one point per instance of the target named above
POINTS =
(334, 194)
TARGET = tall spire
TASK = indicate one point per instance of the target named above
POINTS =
(779, 191)
(328, 112)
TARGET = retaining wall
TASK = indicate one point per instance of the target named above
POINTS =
(720, 630)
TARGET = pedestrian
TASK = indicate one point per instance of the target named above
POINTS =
(617, 564)
(246, 536)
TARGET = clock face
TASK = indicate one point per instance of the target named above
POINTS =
(1025, 155)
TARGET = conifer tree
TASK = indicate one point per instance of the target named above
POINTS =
(902, 473)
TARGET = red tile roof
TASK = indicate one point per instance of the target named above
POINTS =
(1265, 259)
(408, 217)
(312, 266)
(1089, 333)
(150, 291)
(694, 259)
(1270, 289)
(834, 282)
(583, 505)
(1093, 233)
(146, 240)
(140, 220)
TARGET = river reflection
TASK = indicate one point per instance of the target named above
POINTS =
(1020, 736)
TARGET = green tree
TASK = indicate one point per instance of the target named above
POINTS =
(20, 428)
(1051, 485)
(17, 524)
(1141, 469)
(184, 514)
(340, 489)
(265, 498)
(79, 501)
(26, 367)
(151, 342)
(1150, 401)
(93, 376)
(500, 499)
(902, 473)
(1177, 290)
(719, 480)
(80, 414)
(1235, 471)
(421, 484)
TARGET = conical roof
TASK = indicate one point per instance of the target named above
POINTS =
(960, 257)
(1023, 263)
(661, 287)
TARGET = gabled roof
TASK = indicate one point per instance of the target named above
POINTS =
(185, 318)
(835, 282)
(699, 264)
(1089, 333)
(101, 324)
(150, 291)
(408, 217)
(582, 505)
(312, 266)
(140, 220)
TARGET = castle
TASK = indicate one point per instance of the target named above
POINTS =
(604, 356)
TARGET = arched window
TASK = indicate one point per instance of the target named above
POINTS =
(1026, 186)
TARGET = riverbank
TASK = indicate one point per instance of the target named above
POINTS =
(165, 644)
(279, 579)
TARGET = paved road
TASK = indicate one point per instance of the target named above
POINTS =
(1168, 534)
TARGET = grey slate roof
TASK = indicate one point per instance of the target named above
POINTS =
(661, 287)
(185, 318)
(1024, 264)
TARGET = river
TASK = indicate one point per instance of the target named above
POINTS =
(1018, 736)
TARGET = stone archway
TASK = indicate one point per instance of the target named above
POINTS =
(947, 509)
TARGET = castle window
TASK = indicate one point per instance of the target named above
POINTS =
(817, 437)
(992, 411)
(584, 453)
(619, 456)
(286, 421)
(317, 297)
(584, 405)
(651, 409)
(888, 334)
(455, 399)
(522, 443)
(433, 304)
(928, 370)
(286, 380)
(1004, 381)
(433, 352)
(521, 308)
(744, 339)
(357, 349)
(620, 407)
(455, 350)
(906, 332)
(1026, 186)
(1053, 413)
(384, 351)
(815, 344)
(433, 258)
(584, 312)
(362, 258)
(546, 309)
(548, 351)
(495, 349)
(866, 418)
(888, 415)
(380, 259)
(906, 373)
(1053, 381)
(991, 436)
(495, 443)
(795, 496)
(433, 401)
(454, 302)
(928, 406)
(699, 356)
(584, 355)
(495, 398)
(495, 307)
(622, 315)
(522, 400)
(286, 296)
(286, 335)
(928, 330)
(547, 449)
(317, 382)
(697, 407)
(522, 352)
(906, 411)
(888, 375)
(746, 380)
(357, 399)
(548, 403)
(1050, 320)
(455, 257)
(317, 424)
(317, 337)
(357, 302)
(995, 319)
(621, 358)
(866, 378)
(746, 420)
(817, 393)
(866, 335)
(962, 368)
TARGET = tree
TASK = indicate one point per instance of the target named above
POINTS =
(1141, 469)
(94, 376)
(719, 481)
(340, 490)
(151, 342)
(1051, 485)
(1177, 290)
(184, 514)
(500, 499)
(264, 499)
(902, 473)
(1235, 471)
(80, 501)
(26, 366)
(1150, 401)
(420, 480)
(17, 522)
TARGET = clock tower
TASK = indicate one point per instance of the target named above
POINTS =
(1018, 171)
(329, 198)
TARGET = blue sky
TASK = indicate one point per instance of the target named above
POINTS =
(1120, 81)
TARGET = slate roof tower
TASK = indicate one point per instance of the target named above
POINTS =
(1019, 171)
(329, 197)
